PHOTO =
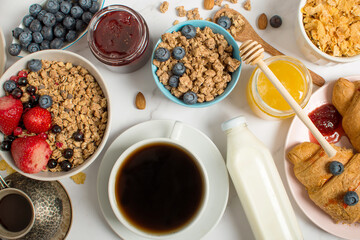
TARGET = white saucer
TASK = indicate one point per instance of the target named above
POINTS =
(2, 52)
(192, 139)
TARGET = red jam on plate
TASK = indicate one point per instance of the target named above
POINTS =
(119, 38)
(328, 120)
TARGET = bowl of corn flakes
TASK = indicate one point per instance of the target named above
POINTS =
(328, 31)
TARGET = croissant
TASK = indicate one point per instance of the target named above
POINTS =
(326, 190)
(346, 99)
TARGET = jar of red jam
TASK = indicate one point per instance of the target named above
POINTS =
(119, 38)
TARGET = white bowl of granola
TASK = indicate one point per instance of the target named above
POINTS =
(210, 59)
(80, 109)
(327, 33)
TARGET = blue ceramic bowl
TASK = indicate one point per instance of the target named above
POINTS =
(235, 75)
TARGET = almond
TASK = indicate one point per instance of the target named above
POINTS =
(140, 101)
(209, 4)
(262, 21)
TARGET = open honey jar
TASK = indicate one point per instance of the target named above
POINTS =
(263, 97)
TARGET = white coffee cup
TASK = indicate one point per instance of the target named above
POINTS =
(172, 140)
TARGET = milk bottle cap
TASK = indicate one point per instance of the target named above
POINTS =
(234, 122)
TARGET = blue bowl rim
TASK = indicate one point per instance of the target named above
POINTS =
(234, 76)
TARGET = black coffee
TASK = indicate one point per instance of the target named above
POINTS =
(159, 188)
(15, 212)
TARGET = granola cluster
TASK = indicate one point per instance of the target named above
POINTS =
(208, 61)
(333, 26)
(164, 6)
(237, 23)
(78, 105)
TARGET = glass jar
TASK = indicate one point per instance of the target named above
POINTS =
(119, 38)
(264, 99)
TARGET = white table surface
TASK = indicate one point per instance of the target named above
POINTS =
(88, 221)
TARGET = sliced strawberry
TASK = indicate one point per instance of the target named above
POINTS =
(37, 120)
(10, 114)
(30, 154)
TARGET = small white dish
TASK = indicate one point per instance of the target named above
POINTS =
(192, 139)
(297, 134)
(2, 52)
(67, 45)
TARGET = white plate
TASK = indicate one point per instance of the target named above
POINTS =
(192, 139)
(298, 133)
(2, 52)
(67, 45)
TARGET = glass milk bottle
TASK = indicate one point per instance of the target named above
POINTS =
(258, 184)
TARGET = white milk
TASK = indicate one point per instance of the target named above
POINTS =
(258, 184)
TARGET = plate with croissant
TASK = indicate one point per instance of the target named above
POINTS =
(328, 189)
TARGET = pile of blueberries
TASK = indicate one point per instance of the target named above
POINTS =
(163, 54)
(52, 25)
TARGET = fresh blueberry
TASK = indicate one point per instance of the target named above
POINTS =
(22, 81)
(275, 21)
(14, 49)
(57, 43)
(351, 198)
(69, 22)
(336, 168)
(56, 129)
(27, 20)
(190, 97)
(224, 21)
(34, 98)
(162, 54)
(85, 4)
(76, 11)
(9, 85)
(35, 26)
(34, 65)
(59, 31)
(178, 53)
(49, 19)
(52, 163)
(17, 93)
(45, 101)
(52, 6)
(31, 89)
(65, 7)
(95, 6)
(16, 32)
(34, 9)
(86, 17)
(5, 146)
(25, 38)
(78, 136)
(37, 37)
(41, 15)
(26, 29)
(173, 81)
(71, 36)
(189, 31)
(27, 105)
(10, 138)
(33, 47)
(45, 45)
(179, 69)
(68, 153)
(80, 25)
(47, 33)
(65, 165)
(59, 16)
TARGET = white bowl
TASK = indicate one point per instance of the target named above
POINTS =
(2, 52)
(311, 52)
(65, 56)
(68, 44)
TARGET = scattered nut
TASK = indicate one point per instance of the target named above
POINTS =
(247, 5)
(140, 101)
(164, 7)
(79, 178)
(209, 4)
(262, 21)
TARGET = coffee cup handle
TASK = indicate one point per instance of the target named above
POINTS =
(3, 183)
(176, 131)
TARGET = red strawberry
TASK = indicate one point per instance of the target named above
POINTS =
(10, 114)
(30, 154)
(37, 120)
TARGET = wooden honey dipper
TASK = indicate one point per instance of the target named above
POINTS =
(251, 52)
